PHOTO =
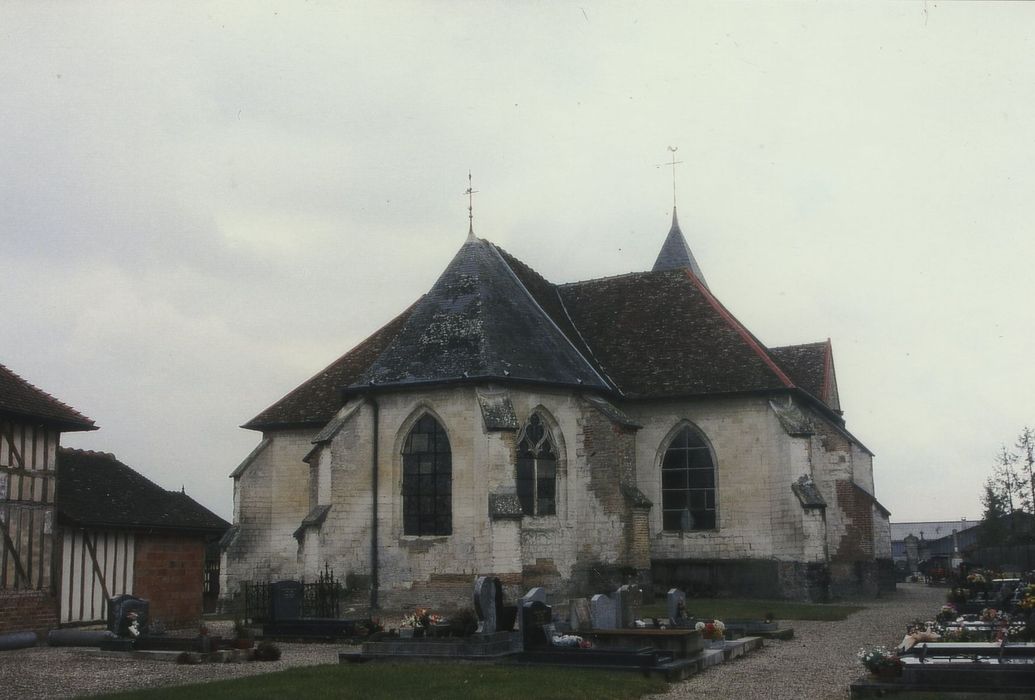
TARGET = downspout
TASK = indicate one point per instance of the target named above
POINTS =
(373, 510)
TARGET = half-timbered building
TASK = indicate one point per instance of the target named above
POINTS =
(31, 424)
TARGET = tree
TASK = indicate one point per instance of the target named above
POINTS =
(993, 529)
(1026, 459)
(1006, 482)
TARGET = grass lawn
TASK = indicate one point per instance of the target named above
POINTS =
(424, 681)
(755, 608)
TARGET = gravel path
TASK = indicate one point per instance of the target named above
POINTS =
(819, 662)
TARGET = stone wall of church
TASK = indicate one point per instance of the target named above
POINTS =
(271, 498)
(592, 537)
(756, 514)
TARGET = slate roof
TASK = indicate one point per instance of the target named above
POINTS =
(20, 398)
(480, 322)
(489, 316)
(94, 489)
(932, 529)
(675, 253)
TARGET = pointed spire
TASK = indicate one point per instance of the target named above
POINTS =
(675, 253)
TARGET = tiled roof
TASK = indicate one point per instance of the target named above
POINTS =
(806, 365)
(490, 316)
(20, 398)
(317, 400)
(480, 322)
(663, 334)
(97, 490)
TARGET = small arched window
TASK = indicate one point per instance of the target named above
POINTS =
(537, 469)
(688, 483)
(427, 484)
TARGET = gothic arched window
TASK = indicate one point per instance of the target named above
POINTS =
(537, 469)
(427, 484)
(688, 483)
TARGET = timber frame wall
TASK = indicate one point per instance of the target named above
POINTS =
(28, 555)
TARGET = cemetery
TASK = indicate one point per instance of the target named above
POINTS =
(604, 632)
(967, 647)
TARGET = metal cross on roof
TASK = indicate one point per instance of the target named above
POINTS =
(673, 163)
(470, 192)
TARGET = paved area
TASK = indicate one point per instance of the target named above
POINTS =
(819, 662)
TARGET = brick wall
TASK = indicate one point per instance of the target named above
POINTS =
(27, 611)
(169, 572)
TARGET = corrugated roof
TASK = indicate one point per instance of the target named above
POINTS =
(20, 398)
(94, 489)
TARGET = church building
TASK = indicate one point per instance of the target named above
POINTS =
(571, 436)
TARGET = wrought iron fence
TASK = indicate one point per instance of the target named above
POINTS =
(320, 599)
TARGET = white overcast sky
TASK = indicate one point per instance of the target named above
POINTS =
(201, 205)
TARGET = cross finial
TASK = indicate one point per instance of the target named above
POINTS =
(673, 163)
(470, 204)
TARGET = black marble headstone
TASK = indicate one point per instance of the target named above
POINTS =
(535, 615)
(119, 618)
(285, 600)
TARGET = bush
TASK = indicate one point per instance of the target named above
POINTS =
(267, 651)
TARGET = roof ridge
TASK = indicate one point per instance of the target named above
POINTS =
(531, 297)
(752, 342)
(611, 277)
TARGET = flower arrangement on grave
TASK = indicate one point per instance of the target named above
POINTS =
(1028, 601)
(918, 632)
(570, 640)
(879, 660)
(134, 624)
(948, 613)
(711, 629)
(992, 615)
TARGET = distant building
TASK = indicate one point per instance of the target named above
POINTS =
(914, 542)
(31, 424)
(565, 436)
(122, 533)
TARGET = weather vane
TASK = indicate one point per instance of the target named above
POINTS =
(470, 204)
(673, 163)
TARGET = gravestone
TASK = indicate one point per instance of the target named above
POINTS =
(286, 600)
(579, 615)
(677, 606)
(535, 616)
(536, 593)
(602, 612)
(627, 602)
(488, 603)
(119, 609)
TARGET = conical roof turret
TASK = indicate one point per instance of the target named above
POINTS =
(675, 253)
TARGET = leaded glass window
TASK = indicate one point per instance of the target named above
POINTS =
(688, 483)
(427, 485)
(537, 469)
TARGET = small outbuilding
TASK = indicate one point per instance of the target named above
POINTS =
(122, 533)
